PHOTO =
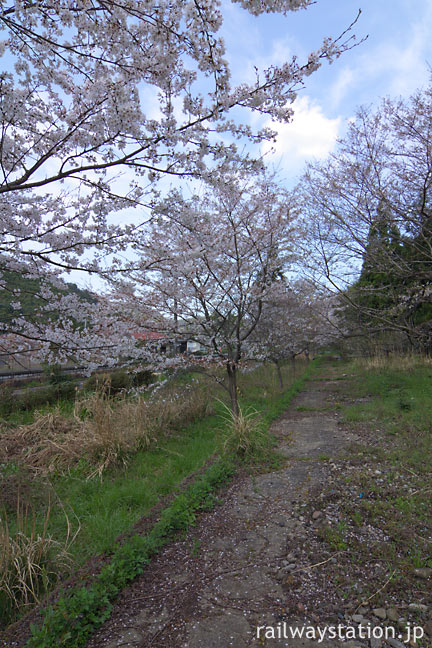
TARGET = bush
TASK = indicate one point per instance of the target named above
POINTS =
(66, 390)
(112, 382)
(143, 377)
(32, 398)
(40, 396)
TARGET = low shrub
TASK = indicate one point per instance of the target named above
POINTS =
(112, 383)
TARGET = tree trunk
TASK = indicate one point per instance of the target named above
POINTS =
(279, 373)
(232, 387)
(293, 364)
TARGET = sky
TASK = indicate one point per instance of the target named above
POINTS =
(393, 61)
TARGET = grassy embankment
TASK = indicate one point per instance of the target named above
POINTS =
(65, 500)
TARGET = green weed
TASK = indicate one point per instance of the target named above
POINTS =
(107, 510)
(76, 615)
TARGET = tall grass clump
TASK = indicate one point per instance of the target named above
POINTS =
(245, 435)
(30, 561)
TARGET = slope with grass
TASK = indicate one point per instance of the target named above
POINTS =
(55, 475)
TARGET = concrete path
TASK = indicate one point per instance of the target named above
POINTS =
(232, 582)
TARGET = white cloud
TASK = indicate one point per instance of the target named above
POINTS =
(400, 71)
(341, 86)
(309, 135)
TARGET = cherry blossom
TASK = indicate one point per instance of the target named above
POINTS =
(98, 102)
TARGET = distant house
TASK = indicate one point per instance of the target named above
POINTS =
(156, 340)
(159, 342)
(193, 347)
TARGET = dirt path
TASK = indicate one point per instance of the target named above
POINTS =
(249, 564)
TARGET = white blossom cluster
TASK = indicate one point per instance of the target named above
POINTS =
(98, 100)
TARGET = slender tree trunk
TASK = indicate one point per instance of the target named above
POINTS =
(232, 386)
(279, 373)
(293, 365)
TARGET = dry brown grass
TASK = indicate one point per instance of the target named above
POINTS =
(398, 361)
(103, 431)
(29, 560)
(41, 444)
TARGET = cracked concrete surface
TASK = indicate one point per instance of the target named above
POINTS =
(246, 570)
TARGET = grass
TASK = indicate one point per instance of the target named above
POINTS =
(104, 431)
(110, 508)
(389, 494)
(76, 615)
(27, 417)
(107, 509)
(178, 446)
(30, 560)
(260, 389)
(245, 435)
(401, 403)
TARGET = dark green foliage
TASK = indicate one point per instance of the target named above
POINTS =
(27, 292)
(112, 382)
(373, 294)
(33, 398)
(391, 292)
(143, 377)
(30, 302)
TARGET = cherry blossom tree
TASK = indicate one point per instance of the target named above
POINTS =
(296, 319)
(101, 99)
(214, 259)
(368, 220)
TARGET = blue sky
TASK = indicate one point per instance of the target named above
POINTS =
(393, 61)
